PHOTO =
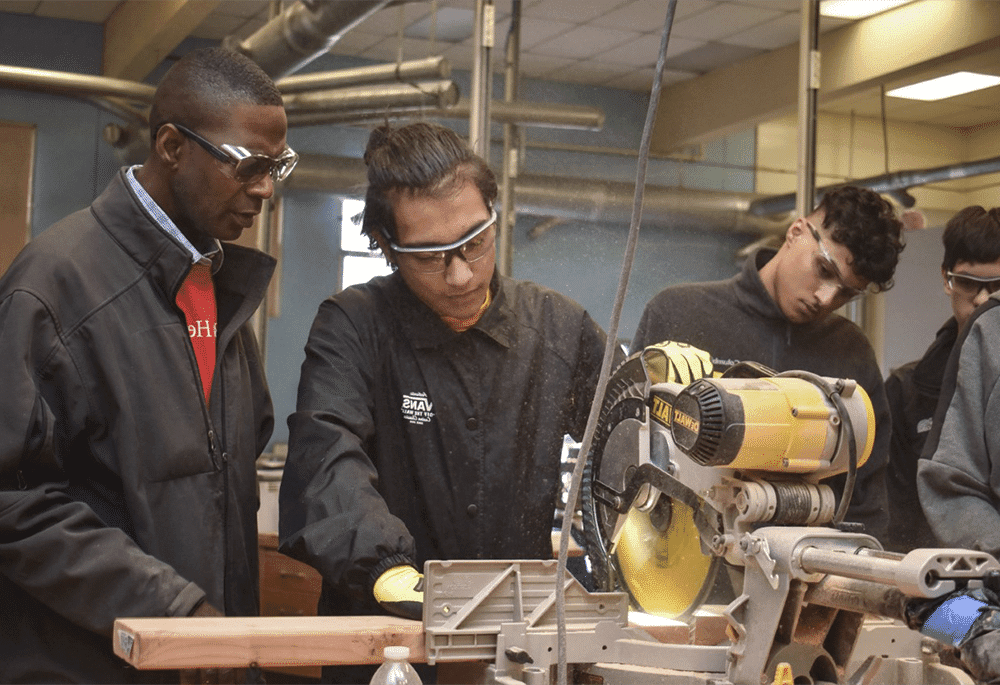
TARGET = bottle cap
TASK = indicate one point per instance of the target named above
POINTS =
(397, 652)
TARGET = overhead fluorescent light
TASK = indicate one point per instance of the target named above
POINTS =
(945, 86)
(856, 9)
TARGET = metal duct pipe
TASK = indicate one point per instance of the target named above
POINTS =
(302, 33)
(74, 84)
(895, 183)
(412, 70)
(522, 113)
(435, 94)
(570, 198)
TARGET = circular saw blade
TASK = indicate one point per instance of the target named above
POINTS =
(659, 558)
(654, 555)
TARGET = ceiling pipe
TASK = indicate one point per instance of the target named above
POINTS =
(571, 198)
(412, 70)
(301, 33)
(68, 83)
(521, 113)
(895, 184)
(435, 94)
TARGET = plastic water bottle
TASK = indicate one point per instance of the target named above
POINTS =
(395, 669)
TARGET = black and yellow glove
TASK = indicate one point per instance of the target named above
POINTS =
(676, 362)
(400, 591)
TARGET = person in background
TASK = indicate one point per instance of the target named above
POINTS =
(779, 311)
(134, 400)
(957, 475)
(433, 402)
(971, 273)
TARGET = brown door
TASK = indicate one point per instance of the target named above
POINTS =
(17, 150)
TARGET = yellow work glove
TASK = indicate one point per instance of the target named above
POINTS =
(676, 362)
(400, 591)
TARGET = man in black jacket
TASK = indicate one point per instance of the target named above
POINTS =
(433, 402)
(134, 401)
(971, 272)
(779, 311)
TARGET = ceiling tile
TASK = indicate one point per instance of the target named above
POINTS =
(534, 31)
(636, 15)
(387, 21)
(783, 5)
(537, 66)
(709, 57)
(577, 11)
(589, 71)
(584, 41)
(356, 42)
(95, 11)
(448, 24)
(687, 8)
(642, 79)
(723, 20)
(770, 35)
(644, 50)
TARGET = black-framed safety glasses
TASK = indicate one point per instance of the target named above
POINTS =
(249, 167)
(972, 285)
(432, 259)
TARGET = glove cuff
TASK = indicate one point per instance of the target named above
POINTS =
(384, 565)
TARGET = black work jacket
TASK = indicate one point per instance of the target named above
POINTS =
(913, 390)
(413, 442)
(121, 492)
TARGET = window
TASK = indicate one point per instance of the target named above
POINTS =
(359, 263)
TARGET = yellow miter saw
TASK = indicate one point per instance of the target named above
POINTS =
(729, 472)
(677, 474)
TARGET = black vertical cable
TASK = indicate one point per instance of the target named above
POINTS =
(609, 348)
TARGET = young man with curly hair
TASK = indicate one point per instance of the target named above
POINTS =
(779, 311)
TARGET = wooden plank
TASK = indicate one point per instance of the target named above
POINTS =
(285, 641)
(167, 643)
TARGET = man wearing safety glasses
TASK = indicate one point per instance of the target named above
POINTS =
(433, 402)
(971, 273)
(958, 474)
(134, 401)
(779, 311)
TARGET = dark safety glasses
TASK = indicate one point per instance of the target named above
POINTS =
(249, 167)
(434, 259)
(972, 285)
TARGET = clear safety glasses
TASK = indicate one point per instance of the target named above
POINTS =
(434, 259)
(249, 167)
(972, 285)
(829, 272)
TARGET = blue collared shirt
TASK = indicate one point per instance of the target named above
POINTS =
(167, 224)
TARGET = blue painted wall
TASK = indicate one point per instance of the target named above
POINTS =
(582, 260)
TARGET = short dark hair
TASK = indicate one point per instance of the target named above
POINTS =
(972, 236)
(422, 159)
(206, 82)
(865, 223)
